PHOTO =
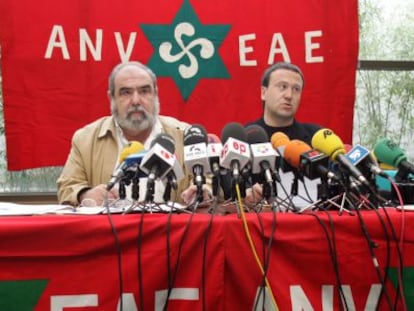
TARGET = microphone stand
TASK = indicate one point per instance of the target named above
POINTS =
(329, 195)
(167, 192)
(149, 196)
(215, 184)
(134, 192)
(135, 187)
(199, 180)
(237, 178)
(122, 189)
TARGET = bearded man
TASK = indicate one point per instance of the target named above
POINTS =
(96, 148)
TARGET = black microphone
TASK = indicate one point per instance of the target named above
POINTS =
(132, 148)
(220, 178)
(158, 161)
(263, 154)
(312, 163)
(214, 148)
(236, 151)
(173, 177)
(195, 154)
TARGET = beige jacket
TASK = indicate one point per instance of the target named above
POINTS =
(94, 153)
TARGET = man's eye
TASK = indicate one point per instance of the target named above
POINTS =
(124, 92)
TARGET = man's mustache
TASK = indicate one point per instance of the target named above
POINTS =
(137, 109)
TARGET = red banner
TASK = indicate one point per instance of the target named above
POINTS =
(204, 262)
(209, 57)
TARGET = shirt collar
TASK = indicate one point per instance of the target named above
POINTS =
(122, 141)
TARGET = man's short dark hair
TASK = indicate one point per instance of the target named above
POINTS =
(277, 66)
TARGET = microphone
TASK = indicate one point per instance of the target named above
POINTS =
(221, 177)
(279, 141)
(131, 148)
(263, 154)
(158, 161)
(390, 153)
(173, 177)
(362, 158)
(214, 148)
(330, 144)
(135, 159)
(312, 163)
(235, 154)
(195, 153)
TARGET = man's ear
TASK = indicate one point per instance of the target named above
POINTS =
(263, 90)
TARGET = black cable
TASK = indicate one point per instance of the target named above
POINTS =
(139, 252)
(341, 294)
(371, 246)
(203, 276)
(333, 254)
(288, 198)
(168, 231)
(118, 252)
(399, 289)
(266, 258)
(262, 286)
(171, 279)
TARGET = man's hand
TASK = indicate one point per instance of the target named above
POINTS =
(97, 195)
(189, 194)
(254, 194)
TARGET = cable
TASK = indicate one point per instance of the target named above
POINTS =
(266, 260)
(252, 247)
(399, 292)
(401, 242)
(203, 276)
(171, 279)
(139, 248)
(371, 246)
(118, 252)
(332, 251)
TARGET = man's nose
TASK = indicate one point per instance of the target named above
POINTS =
(288, 92)
(136, 98)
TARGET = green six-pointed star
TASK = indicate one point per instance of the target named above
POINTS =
(186, 50)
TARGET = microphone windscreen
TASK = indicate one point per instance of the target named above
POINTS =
(131, 148)
(166, 141)
(256, 134)
(386, 151)
(279, 139)
(293, 150)
(233, 130)
(213, 139)
(329, 143)
(195, 134)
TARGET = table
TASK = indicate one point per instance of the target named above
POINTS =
(202, 261)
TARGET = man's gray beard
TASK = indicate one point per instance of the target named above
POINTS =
(146, 122)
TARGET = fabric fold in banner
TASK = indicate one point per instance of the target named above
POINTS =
(208, 56)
